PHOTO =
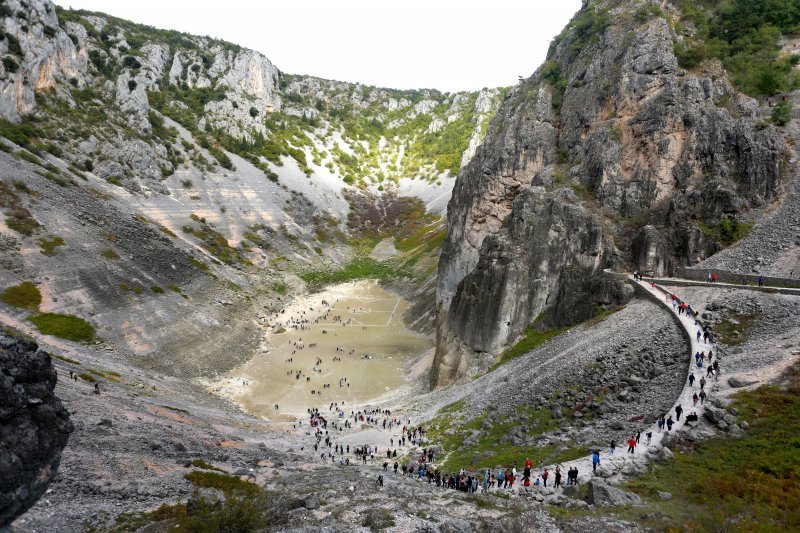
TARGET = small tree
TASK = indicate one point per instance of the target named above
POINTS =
(782, 113)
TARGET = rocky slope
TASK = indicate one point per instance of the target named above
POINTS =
(611, 155)
(183, 181)
(34, 426)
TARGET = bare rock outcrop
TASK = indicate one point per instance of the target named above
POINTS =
(655, 156)
(34, 426)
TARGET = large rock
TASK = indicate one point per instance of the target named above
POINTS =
(737, 383)
(34, 426)
(603, 495)
(639, 139)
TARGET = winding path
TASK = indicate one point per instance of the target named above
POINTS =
(611, 464)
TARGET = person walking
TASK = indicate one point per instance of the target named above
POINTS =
(695, 398)
(678, 411)
(631, 444)
(595, 460)
(691, 379)
(545, 475)
(558, 477)
(612, 447)
(702, 383)
(669, 423)
(702, 397)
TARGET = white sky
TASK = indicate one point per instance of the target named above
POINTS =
(407, 44)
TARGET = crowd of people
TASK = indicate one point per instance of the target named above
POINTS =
(423, 466)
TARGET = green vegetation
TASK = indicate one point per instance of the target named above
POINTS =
(359, 268)
(109, 254)
(281, 288)
(26, 296)
(378, 519)
(728, 231)
(48, 246)
(22, 222)
(734, 328)
(177, 410)
(127, 288)
(87, 377)
(69, 327)
(532, 339)
(492, 447)
(215, 243)
(584, 29)
(106, 374)
(199, 463)
(782, 113)
(156, 289)
(66, 359)
(750, 483)
(745, 35)
(224, 482)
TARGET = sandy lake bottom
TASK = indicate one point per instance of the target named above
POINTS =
(345, 345)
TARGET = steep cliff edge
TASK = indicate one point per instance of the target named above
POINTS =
(34, 426)
(610, 155)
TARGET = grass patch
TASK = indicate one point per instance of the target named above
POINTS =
(746, 484)
(166, 230)
(199, 463)
(378, 519)
(24, 225)
(361, 267)
(734, 328)
(69, 327)
(48, 246)
(26, 296)
(156, 289)
(177, 410)
(215, 243)
(106, 374)
(87, 377)
(127, 288)
(109, 254)
(224, 482)
(532, 339)
(491, 448)
(66, 359)
(240, 513)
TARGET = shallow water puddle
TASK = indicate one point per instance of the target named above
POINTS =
(348, 350)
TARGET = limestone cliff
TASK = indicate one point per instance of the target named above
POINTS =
(610, 155)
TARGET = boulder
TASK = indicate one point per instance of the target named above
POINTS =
(664, 495)
(570, 490)
(737, 383)
(34, 426)
(604, 495)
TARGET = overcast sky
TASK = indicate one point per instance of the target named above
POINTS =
(447, 45)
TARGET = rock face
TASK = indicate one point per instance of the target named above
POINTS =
(603, 495)
(652, 152)
(34, 426)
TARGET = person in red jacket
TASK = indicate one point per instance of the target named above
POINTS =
(545, 475)
(631, 444)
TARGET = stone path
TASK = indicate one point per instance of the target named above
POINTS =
(626, 463)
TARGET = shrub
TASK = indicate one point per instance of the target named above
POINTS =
(782, 113)
(48, 246)
(690, 57)
(131, 85)
(253, 112)
(156, 289)
(69, 327)
(227, 484)
(25, 296)
(10, 64)
(109, 254)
